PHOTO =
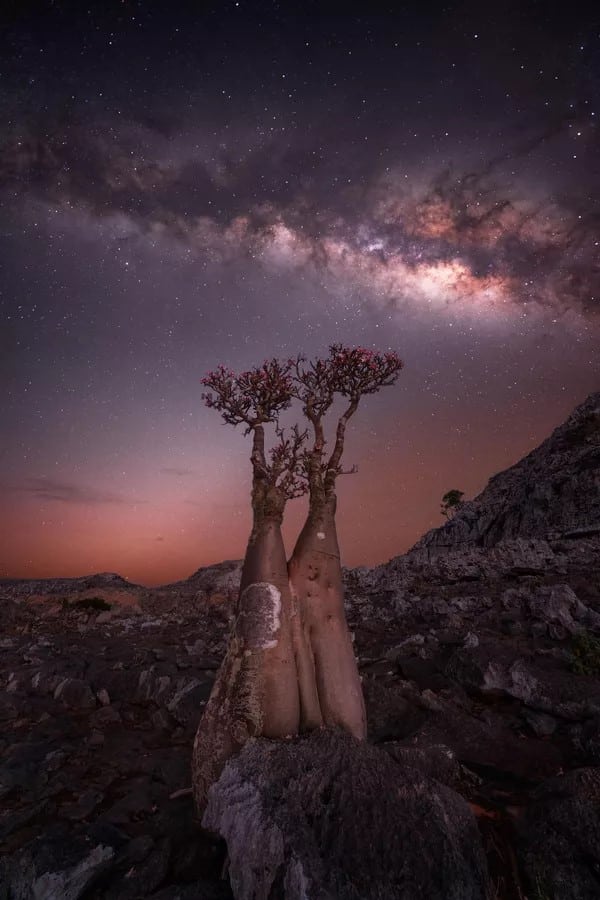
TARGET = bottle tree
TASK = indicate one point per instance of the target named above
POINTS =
(314, 567)
(290, 662)
(256, 689)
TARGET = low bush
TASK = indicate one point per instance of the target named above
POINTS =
(97, 604)
(585, 654)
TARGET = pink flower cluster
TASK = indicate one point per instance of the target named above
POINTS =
(258, 395)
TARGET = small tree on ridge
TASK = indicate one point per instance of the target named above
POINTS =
(451, 502)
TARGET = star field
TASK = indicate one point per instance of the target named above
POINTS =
(183, 187)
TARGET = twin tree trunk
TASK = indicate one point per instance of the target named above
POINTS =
(256, 689)
(290, 662)
(325, 648)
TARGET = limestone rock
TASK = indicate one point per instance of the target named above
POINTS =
(75, 693)
(55, 868)
(542, 684)
(559, 837)
(326, 817)
(188, 701)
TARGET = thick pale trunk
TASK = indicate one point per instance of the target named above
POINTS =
(310, 708)
(265, 605)
(316, 581)
(256, 689)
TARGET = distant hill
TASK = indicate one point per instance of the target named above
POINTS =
(51, 586)
(552, 492)
(223, 577)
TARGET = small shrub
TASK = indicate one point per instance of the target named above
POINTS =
(96, 603)
(585, 654)
(451, 502)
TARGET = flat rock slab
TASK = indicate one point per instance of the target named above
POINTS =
(326, 817)
(541, 683)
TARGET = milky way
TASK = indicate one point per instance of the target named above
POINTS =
(180, 190)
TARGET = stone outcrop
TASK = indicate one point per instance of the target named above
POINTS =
(326, 816)
(554, 491)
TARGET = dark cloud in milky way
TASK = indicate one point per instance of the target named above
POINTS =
(65, 492)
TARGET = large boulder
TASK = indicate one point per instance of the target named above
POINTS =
(542, 683)
(75, 693)
(559, 837)
(55, 866)
(326, 817)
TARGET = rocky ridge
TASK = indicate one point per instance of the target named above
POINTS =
(552, 492)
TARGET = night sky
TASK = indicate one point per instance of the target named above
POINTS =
(181, 188)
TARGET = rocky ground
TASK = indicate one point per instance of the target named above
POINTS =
(99, 708)
(480, 669)
(480, 658)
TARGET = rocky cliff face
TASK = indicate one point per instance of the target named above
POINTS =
(552, 492)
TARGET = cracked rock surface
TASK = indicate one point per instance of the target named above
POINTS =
(325, 816)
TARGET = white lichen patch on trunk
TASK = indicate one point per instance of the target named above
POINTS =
(321, 535)
(259, 619)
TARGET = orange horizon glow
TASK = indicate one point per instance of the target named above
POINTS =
(382, 510)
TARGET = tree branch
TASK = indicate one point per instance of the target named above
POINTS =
(257, 457)
(351, 471)
(333, 465)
